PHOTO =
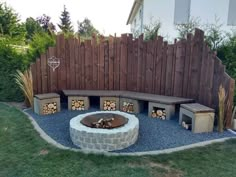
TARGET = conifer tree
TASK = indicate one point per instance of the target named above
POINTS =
(65, 24)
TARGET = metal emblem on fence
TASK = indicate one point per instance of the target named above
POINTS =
(53, 62)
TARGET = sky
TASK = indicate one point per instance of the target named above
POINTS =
(108, 16)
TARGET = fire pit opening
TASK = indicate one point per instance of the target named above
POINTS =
(104, 120)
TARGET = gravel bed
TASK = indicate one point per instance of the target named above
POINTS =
(154, 134)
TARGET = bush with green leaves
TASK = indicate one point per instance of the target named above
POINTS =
(11, 60)
(39, 44)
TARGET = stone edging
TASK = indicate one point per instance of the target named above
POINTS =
(165, 151)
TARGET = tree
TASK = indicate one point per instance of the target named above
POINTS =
(151, 30)
(86, 28)
(214, 35)
(10, 23)
(45, 23)
(65, 24)
(32, 27)
(184, 29)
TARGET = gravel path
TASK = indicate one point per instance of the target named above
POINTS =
(154, 134)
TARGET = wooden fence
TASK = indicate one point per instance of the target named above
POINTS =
(187, 68)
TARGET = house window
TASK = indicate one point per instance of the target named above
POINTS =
(182, 11)
(232, 13)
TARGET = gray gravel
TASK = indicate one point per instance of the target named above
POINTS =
(154, 134)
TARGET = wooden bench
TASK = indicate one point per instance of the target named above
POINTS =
(200, 116)
(47, 103)
(131, 101)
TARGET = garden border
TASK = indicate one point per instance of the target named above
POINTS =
(51, 141)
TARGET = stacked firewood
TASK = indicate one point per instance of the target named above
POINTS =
(50, 108)
(158, 113)
(77, 105)
(128, 107)
(103, 123)
(187, 126)
(109, 105)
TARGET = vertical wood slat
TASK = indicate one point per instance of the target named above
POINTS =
(169, 69)
(101, 64)
(95, 62)
(158, 66)
(82, 66)
(135, 66)
(106, 65)
(44, 73)
(149, 68)
(39, 76)
(77, 64)
(179, 69)
(33, 69)
(187, 65)
(139, 62)
(111, 63)
(123, 63)
(163, 57)
(117, 64)
(72, 74)
(62, 68)
(67, 63)
(143, 63)
(130, 58)
(53, 78)
(88, 65)
(196, 64)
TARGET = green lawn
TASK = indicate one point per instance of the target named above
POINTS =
(24, 154)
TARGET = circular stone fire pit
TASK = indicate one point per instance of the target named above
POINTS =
(123, 133)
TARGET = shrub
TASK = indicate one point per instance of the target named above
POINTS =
(11, 60)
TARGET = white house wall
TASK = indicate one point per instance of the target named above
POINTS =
(163, 11)
(206, 11)
(137, 28)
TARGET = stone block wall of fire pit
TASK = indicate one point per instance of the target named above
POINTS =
(96, 139)
(78, 103)
(109, 103)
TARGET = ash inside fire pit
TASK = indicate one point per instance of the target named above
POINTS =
(104, 120)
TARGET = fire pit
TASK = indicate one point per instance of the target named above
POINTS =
(104, 120)
(104, 131)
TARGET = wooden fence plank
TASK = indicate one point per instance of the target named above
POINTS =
(52, 84)
(33, 69)
(187, 65)
(106, 64)
(82, 60)
(169, 69)
(39, 76)
(229, 106)
(123, 63)
(44, 73)
(179, 68)
(135, 66)
(72, 62)
(101, 65)
(117, 64)
(143, 72)
(95, 62)
(77, 64)
(149, 68)
(129, 62)
(163, 56)
(139, 62)
(158, 66)
(88, 65)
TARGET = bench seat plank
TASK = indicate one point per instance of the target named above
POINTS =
(129, 94)
(47, 96)
(197, 108)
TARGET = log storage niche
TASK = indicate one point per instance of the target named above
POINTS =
(158, 113)
(47, 103)
(78, 103)
(128, 107)
(109, 103)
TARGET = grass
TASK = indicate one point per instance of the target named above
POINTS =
(24, 154)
